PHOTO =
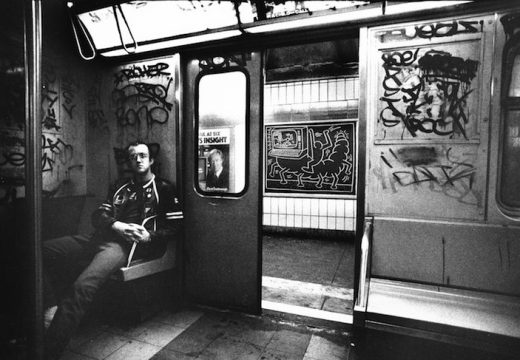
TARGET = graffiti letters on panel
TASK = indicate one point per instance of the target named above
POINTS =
(143, 97)
(313, 158)
(440, 169)
(433, 30)
(50, 99)
(429, 93)
(95, 114)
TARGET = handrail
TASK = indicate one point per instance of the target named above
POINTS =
(85, 33)
(115, 8)
(361, 301)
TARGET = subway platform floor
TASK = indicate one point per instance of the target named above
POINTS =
(308, 273)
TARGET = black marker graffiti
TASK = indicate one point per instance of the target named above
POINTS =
(443, 171)
(143, 93)
(136, 71)
(435, 30)
(426, 94)
(95, 114)
(69, 87)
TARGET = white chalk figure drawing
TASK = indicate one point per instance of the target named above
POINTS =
(310, 158)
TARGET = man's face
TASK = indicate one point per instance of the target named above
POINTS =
(216, 162)
(140, 161)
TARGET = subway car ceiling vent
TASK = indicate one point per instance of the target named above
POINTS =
(117, 28)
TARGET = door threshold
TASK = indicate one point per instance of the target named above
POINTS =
(308, 312)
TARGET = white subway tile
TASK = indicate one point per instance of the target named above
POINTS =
(350, 89)
(349, 224)
(298, 206)
(332, 90)
(315, 91)
(274, 95)
(290, 94)
(306, 210)
(323, 95)
(349, 208)
(340, 223)
(298, 219)
(331, 223)
(331, 207)
(322, 207)
(290, 206)
(306, 92)
(315, 207)
(322, 222)
(340, 208)
(283, 94)
(298, 93)
(306, 221)
(267, 204)
(341, 89)
(274, 205)
(282, 205)
(290, 221)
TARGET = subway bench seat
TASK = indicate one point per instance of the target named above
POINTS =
(476, 319)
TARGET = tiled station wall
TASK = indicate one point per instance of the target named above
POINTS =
(310, 213)
(320, 99)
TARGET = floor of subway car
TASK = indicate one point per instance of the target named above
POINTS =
(309, 277)
(208, 334)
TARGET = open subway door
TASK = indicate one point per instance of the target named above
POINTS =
(221, 145)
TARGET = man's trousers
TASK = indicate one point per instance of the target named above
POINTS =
(75, 267)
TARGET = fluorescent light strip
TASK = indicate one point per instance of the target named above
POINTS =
(308, 312)
(177, 42)
(421, 5)
(317, 20)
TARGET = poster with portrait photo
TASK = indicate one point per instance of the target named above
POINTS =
(214, 157)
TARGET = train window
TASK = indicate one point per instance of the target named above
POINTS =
(221, 121)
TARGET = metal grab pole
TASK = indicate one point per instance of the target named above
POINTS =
(33, 179)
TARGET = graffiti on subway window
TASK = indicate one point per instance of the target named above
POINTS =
(427, 93)
(439, 169)
(310, 158)
(433, 30)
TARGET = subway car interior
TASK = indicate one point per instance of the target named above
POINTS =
(344, 175)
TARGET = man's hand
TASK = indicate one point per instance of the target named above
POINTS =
(131, 232)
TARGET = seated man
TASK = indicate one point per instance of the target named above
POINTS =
(144, 211)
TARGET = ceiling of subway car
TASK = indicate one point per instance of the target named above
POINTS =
(119, 28)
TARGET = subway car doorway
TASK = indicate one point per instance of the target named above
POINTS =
(311, 97)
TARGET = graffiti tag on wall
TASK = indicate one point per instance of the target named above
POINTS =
(313, 158)
(428, 93)
(142, 98)
(439, 169)
(432, 30)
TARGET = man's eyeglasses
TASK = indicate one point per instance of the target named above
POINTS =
(138, 156)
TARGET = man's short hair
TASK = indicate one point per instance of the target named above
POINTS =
(139, 142)
(216, 152)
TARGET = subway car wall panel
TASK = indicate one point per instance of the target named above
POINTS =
(433, 156)
(476, 257)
